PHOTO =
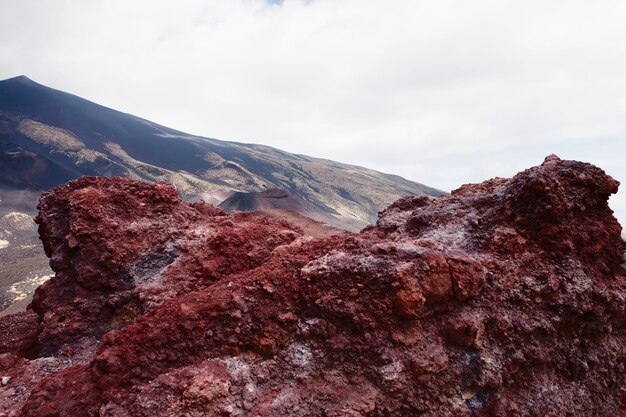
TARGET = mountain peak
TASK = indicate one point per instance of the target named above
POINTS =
(22, 79)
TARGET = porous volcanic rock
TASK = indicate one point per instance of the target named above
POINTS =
(505, 298)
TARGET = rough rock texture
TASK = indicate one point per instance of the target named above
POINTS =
(505, 298)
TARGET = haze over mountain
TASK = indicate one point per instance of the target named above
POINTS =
(48, 137)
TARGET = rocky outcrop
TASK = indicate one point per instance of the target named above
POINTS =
(505, 298)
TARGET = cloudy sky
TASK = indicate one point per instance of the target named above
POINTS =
(441, 92)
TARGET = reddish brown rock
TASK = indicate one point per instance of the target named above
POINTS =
(505, 298)
(19, 334)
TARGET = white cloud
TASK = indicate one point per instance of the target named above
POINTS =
(442, 92)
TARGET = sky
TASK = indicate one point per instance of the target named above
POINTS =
(441, 92)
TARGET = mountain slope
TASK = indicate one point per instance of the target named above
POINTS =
(48, 137)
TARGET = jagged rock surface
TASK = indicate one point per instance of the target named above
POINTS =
(505, 298)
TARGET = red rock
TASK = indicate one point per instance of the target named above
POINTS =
(505, 298)
(18, 334)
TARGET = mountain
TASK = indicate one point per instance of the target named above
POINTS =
(273, 198)
(277, 203)
(48, 137)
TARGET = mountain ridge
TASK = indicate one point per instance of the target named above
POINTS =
(60, 136)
